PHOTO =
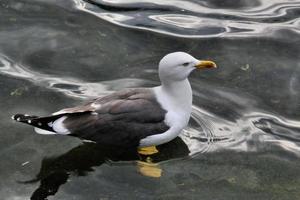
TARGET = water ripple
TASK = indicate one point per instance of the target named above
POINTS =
(256, 131)
(199, 19)
(69, 86)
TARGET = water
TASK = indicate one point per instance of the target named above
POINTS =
(243, 141)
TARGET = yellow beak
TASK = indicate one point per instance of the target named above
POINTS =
(205, 64)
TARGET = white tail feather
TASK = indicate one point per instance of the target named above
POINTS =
(43, 132)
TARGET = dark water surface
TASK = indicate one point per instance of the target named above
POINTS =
(243, 141)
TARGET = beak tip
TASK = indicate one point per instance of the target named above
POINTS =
(206, 64)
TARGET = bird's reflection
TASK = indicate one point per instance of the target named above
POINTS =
(80, 160)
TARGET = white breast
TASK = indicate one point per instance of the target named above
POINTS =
(177, 101)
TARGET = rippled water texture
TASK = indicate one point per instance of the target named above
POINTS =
(243, 141)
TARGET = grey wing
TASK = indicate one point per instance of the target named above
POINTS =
(121, 119)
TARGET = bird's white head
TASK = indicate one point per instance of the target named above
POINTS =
(178, 65)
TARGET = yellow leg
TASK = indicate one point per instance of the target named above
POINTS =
(147, 150)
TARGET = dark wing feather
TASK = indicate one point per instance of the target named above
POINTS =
(122, 118)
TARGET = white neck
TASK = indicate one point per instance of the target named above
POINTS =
(178, 95)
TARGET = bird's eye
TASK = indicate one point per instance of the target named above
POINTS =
(186, 64)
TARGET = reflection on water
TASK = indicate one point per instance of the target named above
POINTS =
(80, 160)
(199, 18)
(69, 86)
(243, 136)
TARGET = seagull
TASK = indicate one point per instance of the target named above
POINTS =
(135, 117)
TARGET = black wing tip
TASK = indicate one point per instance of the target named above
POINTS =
(17, 117)
(22, 117)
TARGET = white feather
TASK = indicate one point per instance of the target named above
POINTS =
(60, 112)
(96, 105)
(59, 127)
(43, 132)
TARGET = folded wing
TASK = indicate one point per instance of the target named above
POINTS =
(122, 118)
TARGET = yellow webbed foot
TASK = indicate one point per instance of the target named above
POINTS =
(147, 150)
(149, 169)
